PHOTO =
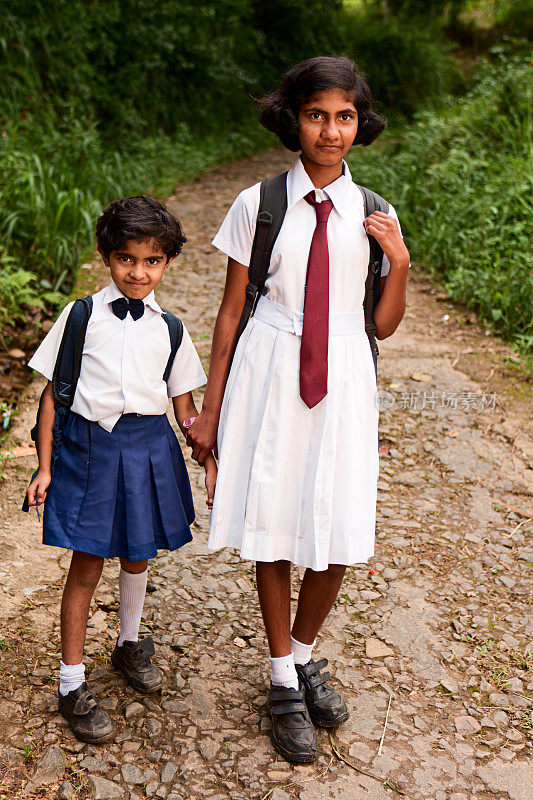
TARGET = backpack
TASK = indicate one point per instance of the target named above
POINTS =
(272, 210)
(68, 365)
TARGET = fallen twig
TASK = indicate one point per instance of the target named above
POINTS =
(384, 726)
(384, 781)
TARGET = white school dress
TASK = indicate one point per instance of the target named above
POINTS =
(295, 483)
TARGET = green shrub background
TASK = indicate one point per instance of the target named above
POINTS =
(111, 97)
(462, 184)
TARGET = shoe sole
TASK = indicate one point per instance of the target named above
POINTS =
(329, 723)
(97, 739)
(143, 689)
(289, 756)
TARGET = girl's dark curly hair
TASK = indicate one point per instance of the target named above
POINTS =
(138, 219)
(280, 109)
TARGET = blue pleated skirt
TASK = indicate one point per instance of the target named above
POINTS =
(124, 493)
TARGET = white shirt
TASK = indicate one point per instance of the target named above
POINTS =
(123, 361)
(347, 240)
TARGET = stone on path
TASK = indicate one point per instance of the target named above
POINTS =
(374, 648)
(50, 768)
(102, 789)
(467, 725)
(515, 779)
(132, 774)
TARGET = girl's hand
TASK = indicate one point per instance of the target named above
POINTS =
(202, 437)
(211, 472)
(385, 229)
(37, 489)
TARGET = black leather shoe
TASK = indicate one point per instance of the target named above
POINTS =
(88, 721)
(293, 734)
(133, 660)
(326, 707)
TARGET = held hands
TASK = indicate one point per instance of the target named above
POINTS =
(202, 437)
(385, 229)
(37, 489)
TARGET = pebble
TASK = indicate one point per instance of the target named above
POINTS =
(67, 791)
(374, 648)
(102, 789)
(132, 774)
(133, 710)
(467, 725)
(49, 768)
(168, 772)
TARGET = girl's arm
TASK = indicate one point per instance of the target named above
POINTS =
(184, 408)
(202, 434)
(37, 489)
(391, 307)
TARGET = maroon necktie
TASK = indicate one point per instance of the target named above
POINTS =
(314, 346)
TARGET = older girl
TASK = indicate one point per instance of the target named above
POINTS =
(294, 402)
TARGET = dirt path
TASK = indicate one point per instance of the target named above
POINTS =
(438, 626)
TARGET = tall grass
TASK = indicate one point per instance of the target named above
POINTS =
(462, 183)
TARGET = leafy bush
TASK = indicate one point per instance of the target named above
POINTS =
(462, 184)
(408, 64)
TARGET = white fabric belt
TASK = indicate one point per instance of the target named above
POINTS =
(340, 323)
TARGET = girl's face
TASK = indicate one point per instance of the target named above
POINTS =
(328, 126)
(138, 267)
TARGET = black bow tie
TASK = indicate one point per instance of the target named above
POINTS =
(121, 306)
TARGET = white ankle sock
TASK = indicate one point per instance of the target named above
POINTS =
(283, 672)
(301, 652)
(71, 677)
(132, 591)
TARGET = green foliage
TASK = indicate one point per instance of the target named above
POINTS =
(462, 184)
(408, 64)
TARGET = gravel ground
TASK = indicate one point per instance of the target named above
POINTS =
(428, 643)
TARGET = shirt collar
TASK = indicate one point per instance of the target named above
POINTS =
(299, 184)
(113, 293)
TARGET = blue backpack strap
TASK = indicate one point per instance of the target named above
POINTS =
(68, 362)
(175, 331)
(373, 202)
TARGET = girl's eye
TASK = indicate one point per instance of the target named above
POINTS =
(153, 261)
(124, 258)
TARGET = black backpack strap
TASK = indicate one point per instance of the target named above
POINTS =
(175, 331)
(68, 361)
(372, 202)
(272, 210)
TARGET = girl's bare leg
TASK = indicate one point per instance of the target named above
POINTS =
(318, 592)
(84, 574)
(274, 590)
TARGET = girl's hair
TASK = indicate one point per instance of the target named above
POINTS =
(138, 219)
(280, 109)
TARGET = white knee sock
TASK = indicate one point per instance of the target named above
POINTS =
(283, 672)
(301, 652)
(71, 677)
(132, 591)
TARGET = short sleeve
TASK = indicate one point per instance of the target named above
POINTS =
(44, 358)
(236, 234)
(187, 372)
(385, 267)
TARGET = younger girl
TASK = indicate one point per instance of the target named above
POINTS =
(296, 416)
(120, 486)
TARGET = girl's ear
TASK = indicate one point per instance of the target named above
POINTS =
(169, 262)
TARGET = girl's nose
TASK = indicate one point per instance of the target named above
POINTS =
(330, 131)
(136, 270)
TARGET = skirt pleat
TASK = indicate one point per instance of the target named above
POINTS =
(122, 493)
